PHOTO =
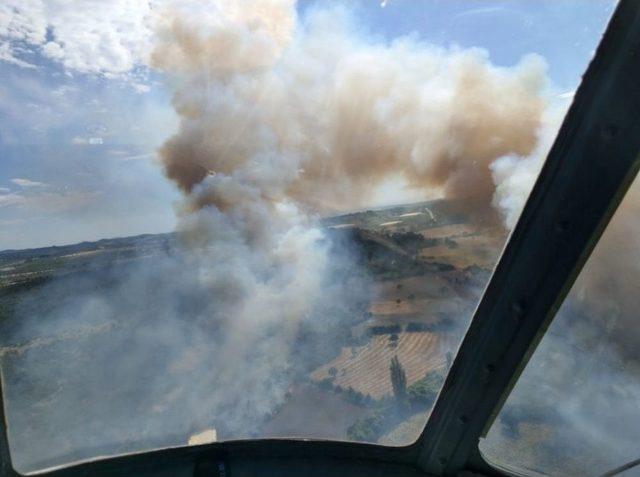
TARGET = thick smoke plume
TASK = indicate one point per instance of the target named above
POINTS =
(312, 113)
(514, 175)
(281, 120)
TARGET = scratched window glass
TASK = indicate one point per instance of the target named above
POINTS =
(574, 410)
(243, 219)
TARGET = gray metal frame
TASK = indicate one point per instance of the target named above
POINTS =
(592, 163)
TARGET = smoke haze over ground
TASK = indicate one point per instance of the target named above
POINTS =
(282, 120)
(574, 410)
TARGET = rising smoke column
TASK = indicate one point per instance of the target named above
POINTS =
(283, 119)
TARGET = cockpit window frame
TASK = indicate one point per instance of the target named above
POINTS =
(588, 170)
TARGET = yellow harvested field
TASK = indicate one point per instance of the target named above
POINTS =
(392, 307)
(423, 286)
(419, 310)
(366, 368)
(481, 250)
(427, 311)
(444, 231)
(459, 258)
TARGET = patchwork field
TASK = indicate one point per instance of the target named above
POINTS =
(365, 369)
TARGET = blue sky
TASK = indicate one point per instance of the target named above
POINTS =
(81, 116)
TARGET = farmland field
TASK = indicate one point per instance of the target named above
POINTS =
(365, 369)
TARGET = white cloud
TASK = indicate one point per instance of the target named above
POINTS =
(49, 202)
(111, 38)
(27, 182)
(481, 11)
(92, 36)
(80, 141)
(4, 190)
(118, 152)
(7, 54)
(138, 157)
(11, 199)
(141, 87)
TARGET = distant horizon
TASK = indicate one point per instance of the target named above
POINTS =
(169, 232)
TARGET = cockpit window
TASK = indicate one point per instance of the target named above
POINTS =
(308, 199)
(574, 410)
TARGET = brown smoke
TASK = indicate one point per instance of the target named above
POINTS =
(607, 288)
(313, 114)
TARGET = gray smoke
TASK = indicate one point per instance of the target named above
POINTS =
(574, 410)
(144, 354)
(281, 120)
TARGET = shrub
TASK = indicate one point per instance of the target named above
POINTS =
(367, 429)
(425, 390)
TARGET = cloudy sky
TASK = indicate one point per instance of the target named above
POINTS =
(81, 113)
